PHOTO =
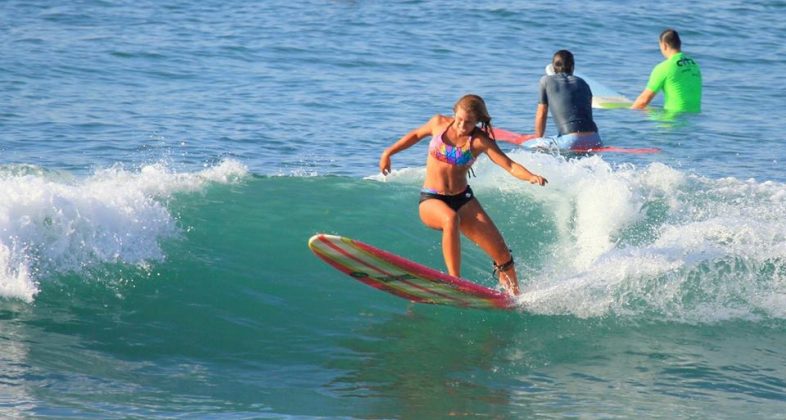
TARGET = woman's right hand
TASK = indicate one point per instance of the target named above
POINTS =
(384, 163)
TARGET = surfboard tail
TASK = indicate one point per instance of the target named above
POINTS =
(510, 137)
(523, 140)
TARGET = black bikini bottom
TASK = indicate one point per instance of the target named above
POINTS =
(455, 202)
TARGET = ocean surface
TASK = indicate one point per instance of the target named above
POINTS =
(163, 164)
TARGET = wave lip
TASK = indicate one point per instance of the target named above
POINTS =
(52, 223)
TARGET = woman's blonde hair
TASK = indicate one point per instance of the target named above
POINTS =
(475, 105)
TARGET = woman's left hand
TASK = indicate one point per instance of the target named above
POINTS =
(537, 179)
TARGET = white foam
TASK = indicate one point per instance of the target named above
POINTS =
(703, 259)
(649, 240)
(589, 201)
(403, 175)
(50, 223)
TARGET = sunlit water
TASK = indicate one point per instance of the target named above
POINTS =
(162, 165)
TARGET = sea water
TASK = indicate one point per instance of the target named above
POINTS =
(163, 163)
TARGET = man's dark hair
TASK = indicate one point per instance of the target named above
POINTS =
(562, 62)
(671, 38)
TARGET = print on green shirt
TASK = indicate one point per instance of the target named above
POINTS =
(680, 79)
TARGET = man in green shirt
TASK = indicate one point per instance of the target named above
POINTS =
(678, 76)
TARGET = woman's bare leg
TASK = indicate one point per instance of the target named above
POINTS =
(437, 215)
(478, 227)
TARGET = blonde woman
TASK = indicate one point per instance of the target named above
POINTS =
(447, 202)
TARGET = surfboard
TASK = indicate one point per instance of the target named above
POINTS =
(532, 142)
(611, 102)
(603, 97)
(401, 277)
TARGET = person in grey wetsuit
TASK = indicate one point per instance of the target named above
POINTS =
(569, 99)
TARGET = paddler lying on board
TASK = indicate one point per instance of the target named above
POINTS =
(447, 203)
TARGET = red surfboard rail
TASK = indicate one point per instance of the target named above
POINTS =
(401, 277)
(516, 138)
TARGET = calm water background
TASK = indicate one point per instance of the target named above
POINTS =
(162, 164)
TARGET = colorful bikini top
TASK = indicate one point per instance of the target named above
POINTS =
(460, 156)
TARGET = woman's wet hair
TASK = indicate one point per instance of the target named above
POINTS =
(562, 62)
(476, 106)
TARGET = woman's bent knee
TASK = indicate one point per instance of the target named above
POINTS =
(450, 221)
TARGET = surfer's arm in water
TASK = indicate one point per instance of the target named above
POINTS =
(502, 160)
(540, 119)
(644, 99)
(407, 141)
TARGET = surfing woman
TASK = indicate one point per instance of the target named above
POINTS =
(447, 203)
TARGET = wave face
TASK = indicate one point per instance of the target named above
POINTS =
(195, 292)
(598, 240)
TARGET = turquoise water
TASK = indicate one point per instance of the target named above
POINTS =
(162, 165)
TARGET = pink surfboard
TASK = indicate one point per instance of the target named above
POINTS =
(404, 278)
(522, 139)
